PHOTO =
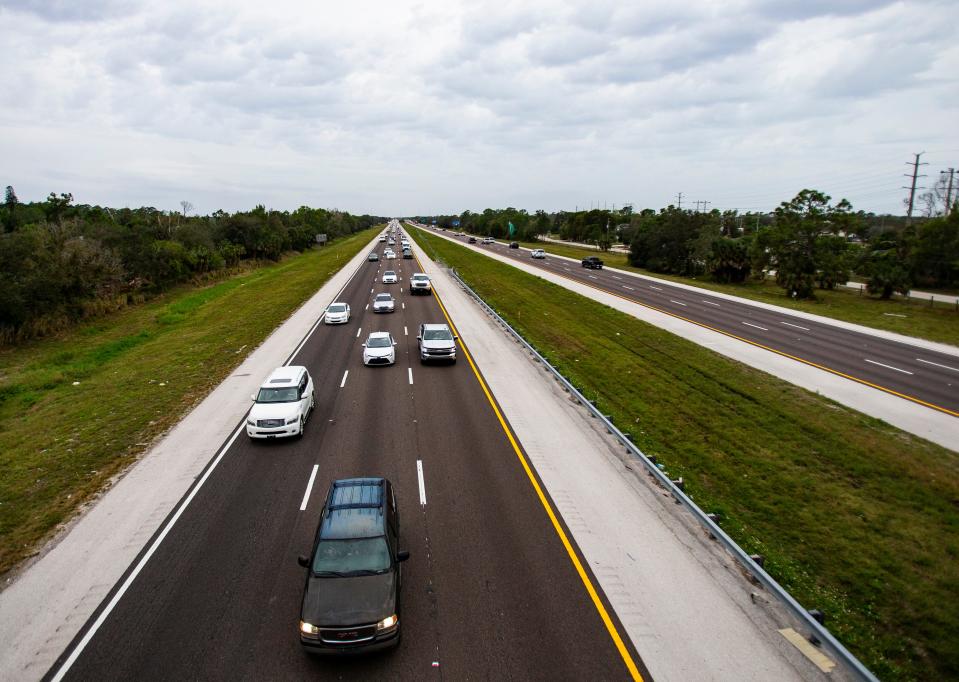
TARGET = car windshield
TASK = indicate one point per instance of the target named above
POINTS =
(360, 555)
(437, 335)
(421, 278)
(278, 395)
(337, 308)
(378, 342)
(389, 273)
(383, 298)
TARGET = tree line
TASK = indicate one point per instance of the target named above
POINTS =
(60, 261)
(809, 242)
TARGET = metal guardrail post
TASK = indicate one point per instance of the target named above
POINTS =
(816, 632)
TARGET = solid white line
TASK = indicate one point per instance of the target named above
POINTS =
(930, 362)
(309, 487)
(410, 370)
(756, 326)
(673, 300)
(712, 303)
(405, 333)
(790, 324)
(419, 477)
(75, 654)
(904, 371)
(656, 288)
(345, 374)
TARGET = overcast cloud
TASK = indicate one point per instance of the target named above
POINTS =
(436, 107)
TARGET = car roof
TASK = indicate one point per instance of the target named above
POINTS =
(280, 376)
(437, 325)
(354, 509)
(383, 296)
(421, 274)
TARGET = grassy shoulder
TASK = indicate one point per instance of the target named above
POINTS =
(910, 317)
(855, 517)
(77, 409)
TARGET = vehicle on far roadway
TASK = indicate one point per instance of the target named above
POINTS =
(382, 237)
(488, 240)
(472, 240)
(514, 245)
(436, 342)
(537, 253)
(282, 405)
(389, 277)
(337, 313)
(592, 262)
(351, 599)
(379, 349)
(420, 284)
(374, 256)
(383, 303)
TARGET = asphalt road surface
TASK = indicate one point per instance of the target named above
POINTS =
(923, 376)
(489, 592)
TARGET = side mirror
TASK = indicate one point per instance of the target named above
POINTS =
(456, 338)
(419, 338)
(253, 397)
(364, 345)
(402, 555)
(394, 343)
(303, 561)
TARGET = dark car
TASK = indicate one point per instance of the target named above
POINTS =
(351, 601)
(514, 245)
(472, 240)
(593, 263)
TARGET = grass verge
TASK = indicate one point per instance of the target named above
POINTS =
(77, 409)
(854, 517)
(910, 317)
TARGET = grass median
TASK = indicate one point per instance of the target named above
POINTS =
(855, 517)
(923, 319)
(77, 409)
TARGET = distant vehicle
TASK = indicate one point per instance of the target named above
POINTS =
(282, 405)
(488, 240)
(420, 284)
(337, 313)
(407, 253)
(379, 349)
(382, 237)
(592, 262)
(537, 253)
(383, 303)
(391, 242)
(514, 245)
(472, 240)
(436, 342)
(373, 257)
(351, 599)
(389, 277)
(390, 254)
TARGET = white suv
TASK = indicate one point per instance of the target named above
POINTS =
(436, 342)
(282, 405)
(420, 284)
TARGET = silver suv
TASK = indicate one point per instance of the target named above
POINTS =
(436, 342)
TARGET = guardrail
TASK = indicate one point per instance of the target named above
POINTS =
(816, 633)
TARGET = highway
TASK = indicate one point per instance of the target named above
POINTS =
(490, 590)
(921, 375)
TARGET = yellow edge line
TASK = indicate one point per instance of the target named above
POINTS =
(594, 595)
(759, 345)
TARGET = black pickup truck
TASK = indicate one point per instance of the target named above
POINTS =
(593, 262)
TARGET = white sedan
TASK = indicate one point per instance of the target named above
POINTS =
(383, 303)
(389, 277)
(337, 313)
(379, 349)
(390, 254)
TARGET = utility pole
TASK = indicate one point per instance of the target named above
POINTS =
(912, 190)
(679, 200)
(952, 172)
(706, 203)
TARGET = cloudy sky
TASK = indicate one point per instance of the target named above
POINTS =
(398, 108)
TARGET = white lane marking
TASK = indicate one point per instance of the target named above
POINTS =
(566, 269)
(401, 290)
(628, 288)
(419, 477)
(930, 362)
(405, 333)
(904, 371)
(410, 370)
(750, 324)
(656, 288)
(404, 305)
(615, 277)
(65, 668)
(371, 291)
(712, 303)
(345, 374)
(893, 315)
(358, 332)
(309, 487)
(367, 306)
(673, 300)
(790, 324)
(590, 276)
